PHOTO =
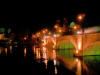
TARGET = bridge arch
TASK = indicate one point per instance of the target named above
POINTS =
(69, 41)
(66, 45)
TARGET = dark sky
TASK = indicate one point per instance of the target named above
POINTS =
(39, 16)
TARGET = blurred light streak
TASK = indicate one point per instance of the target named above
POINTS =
(25, 51)
(10, 49)
(56, 70)
(6, 51)
(46, 62)
(79, 67)
(77, 51)
(0, 50)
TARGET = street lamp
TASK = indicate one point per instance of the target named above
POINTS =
(49, 33)
(80, 17)
(56, 26)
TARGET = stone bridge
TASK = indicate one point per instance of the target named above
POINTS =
(84, 44)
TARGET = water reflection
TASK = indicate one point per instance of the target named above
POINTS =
(7, 51)
(0, 50)
(46, 63)
(46, 55)
(80, 65)
(10, 48)
(25, 51)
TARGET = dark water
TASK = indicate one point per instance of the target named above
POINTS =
(34, 61)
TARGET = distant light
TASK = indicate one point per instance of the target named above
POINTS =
(56, 26)
(75, 27)
(49, 33)
(60, 30)
(46, 36)
(25, 38)
(25, 51)
(56, 35)
(79, 32)
(77, 59)
(77, 51)
(44, 49)
(46, 30)
(80, 17)
(54, 62)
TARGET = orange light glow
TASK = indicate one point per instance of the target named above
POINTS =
(79, 68)
(80, 17)
(10, 49)
(77, 51)
(38, 34)
(46, 30)
(56, 26)
(25, 51)
(55, 70)
(60, 30)
(54, 54)
(0, 51)
(76, 60)
(39, 56)
(1, 36)
(46, 62)
(33, 36)
(75, 27)
(44, 49)
(6, 51)
(49, 33)
(25, 38)
(79, 45)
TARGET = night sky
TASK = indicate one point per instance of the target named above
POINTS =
(36, 17)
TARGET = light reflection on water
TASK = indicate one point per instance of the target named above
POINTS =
(25, 51)
(88, 65)
(46, 55)
(77, 65)
(4, 51)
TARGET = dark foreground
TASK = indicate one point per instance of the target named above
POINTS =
(13, 61)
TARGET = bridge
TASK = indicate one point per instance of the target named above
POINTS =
(81, 44)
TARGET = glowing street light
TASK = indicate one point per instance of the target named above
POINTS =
(56, 26)
(49, 33)
(60, 30)
(80, 17)
(25, 38)
(77, 51)
(46, 30)
(75, 27)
